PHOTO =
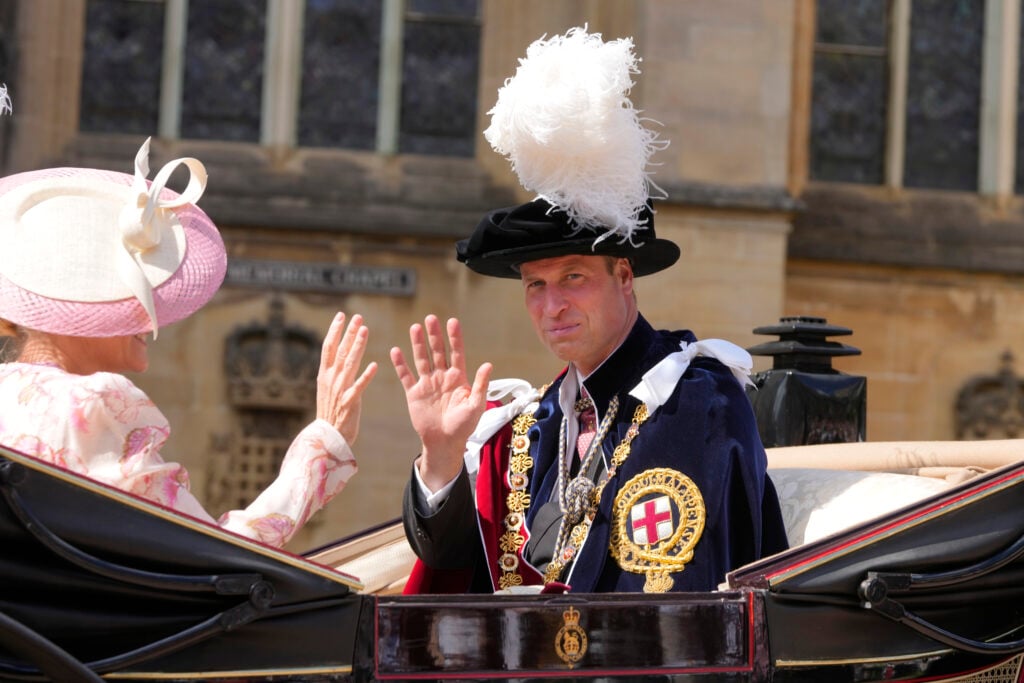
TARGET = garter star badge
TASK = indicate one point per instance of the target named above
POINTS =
(658, 518)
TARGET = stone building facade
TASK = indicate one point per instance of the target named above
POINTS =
(319, 214)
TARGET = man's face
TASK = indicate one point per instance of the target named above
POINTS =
(581, 306)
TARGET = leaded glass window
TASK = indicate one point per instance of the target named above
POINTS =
(944, 94)
(848, 108)
(224, 70)
(456, 9)
(340, 60)
(429, 102)
(1019, 170)
(121, 66)
(940, 105)
(439, 75)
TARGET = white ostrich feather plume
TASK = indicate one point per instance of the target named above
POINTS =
(566, 124)
(5, 100)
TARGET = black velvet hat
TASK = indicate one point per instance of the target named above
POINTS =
(574, 139)
(507, 237)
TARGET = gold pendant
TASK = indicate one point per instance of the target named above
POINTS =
(658, 582)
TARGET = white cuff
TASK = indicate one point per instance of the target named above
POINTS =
(428, 503)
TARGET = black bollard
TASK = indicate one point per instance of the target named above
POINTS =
(802, 399)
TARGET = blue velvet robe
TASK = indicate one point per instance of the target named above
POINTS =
(706, 430)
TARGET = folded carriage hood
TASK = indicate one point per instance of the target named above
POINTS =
(945, 574)
(122, 584)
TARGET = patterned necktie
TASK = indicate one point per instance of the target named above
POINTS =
(588, 426)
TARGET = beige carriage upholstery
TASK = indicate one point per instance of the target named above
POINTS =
(826, 488)
(382, 559)
(823, 489)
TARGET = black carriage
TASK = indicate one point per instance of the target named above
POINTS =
(96, 583)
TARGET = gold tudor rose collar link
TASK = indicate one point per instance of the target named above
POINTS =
(518, 501)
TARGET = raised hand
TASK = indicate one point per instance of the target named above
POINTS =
(443, 407)
(339, 386)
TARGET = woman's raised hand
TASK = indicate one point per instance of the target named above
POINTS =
(339, 384)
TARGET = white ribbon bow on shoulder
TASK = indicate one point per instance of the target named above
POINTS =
(524, 399)
(659, 382)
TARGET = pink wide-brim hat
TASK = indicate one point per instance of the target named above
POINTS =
(95, 253)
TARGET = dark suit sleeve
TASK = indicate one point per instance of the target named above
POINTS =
(449, 538)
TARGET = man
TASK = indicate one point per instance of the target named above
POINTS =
(640, 466)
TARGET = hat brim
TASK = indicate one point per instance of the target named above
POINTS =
(647, 258)
(506, 238)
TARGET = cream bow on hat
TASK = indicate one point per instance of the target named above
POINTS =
(94, 253)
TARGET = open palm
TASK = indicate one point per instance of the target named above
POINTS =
(443, 407)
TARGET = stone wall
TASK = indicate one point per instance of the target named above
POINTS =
(698, 293)
(923, 333)
(715, 77)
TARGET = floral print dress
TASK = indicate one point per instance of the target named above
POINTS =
(104, 427)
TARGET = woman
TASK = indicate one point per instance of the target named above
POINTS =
(91, 263)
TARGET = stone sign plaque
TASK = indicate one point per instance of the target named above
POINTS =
(320, 277)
